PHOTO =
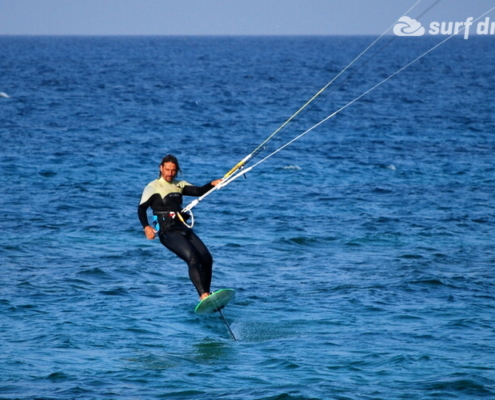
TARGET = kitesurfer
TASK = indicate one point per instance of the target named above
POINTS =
(164, 196)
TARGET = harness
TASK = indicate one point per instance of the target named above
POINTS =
(162, 220)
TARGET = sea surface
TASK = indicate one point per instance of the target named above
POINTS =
(363, 254)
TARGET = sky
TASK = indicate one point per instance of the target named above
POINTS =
(224, 17)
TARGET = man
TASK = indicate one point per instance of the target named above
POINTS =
(164, 196)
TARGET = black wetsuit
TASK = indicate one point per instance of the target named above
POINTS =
(165, 199)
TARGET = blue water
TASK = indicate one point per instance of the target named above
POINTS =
(362, 254)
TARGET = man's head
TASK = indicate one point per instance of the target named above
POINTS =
(169, 168)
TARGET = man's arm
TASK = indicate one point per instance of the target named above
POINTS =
(190, 190)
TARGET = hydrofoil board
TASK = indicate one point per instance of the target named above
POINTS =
(215, 301)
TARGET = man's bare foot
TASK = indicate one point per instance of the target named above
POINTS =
(203, 296)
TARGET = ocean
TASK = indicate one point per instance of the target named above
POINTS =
(362, 254)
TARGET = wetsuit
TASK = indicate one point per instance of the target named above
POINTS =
(165, 199)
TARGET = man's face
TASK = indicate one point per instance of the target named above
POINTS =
(168, 171)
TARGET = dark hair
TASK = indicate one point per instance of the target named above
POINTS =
(172, 159)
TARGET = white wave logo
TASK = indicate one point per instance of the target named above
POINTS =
(406, 26)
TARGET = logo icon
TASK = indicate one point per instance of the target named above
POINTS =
(406, 26)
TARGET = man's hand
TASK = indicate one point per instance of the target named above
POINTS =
(150, 232)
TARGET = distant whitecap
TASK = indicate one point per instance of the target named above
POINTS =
(392, 167)
(5, 95)
(294, 167)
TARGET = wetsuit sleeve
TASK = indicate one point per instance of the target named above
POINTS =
(143, 217)
(190, 190)
(143, 207)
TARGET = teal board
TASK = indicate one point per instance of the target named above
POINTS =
(215, 301)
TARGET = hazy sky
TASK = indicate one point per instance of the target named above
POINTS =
(223, 17)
